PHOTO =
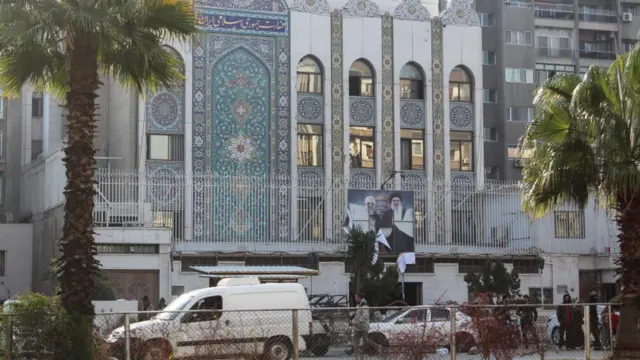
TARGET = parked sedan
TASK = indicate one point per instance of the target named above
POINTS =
(432, 322)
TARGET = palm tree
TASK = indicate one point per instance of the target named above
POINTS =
(63, 46)
(585, 144)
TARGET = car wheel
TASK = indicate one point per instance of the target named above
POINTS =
(380, 340)
(278, 349)
(319, 345)
(555, 336)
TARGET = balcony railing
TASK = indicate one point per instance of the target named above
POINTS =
(518, 4)
(602, 55)
(554, 11)
(598, 15)
(554, 52)
(246, 214)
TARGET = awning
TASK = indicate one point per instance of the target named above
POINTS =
(259, 276)
(234, 271)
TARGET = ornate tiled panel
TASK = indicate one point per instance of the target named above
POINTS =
(337, 124)
(411, 10)
(416, 181)
(361, 8)
(461, 116)
(165, 108)
(318, 7)
(163, 191)
(310, 108)
(241, 118)
(438, 100)
(362, 111)
(363, 179)
(311, 181)
(412, 114)
(387, 134)
(461, 13)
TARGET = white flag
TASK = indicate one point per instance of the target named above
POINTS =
(380, 238)
(376, 249)
(405, 259)
(348, 223)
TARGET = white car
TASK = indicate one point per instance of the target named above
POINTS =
(433, 322)
(553, 326)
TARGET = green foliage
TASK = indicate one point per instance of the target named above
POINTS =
(102, 290)
(378, 283)
(493, 278)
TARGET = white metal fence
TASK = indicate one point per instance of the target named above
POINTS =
(231, 213)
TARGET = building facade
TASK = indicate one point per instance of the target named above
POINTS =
(286, 107)
(526, 41)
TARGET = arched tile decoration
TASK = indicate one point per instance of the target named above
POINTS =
(361, 8)
(319, 7)
(275, 6)
(387, 96)
(411, 10)
(460, 12)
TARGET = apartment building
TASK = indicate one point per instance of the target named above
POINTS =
(523, 43)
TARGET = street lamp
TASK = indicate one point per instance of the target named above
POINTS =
(540, 264)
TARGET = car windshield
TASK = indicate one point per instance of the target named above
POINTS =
(172, 310)
(393, 316)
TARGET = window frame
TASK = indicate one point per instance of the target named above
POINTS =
(308, 136)
(457, 85)
(363, 139)
(490, 129)
(3, 263)
(317, 76)
(491, 19)
(531, 113)
(37, 106)
(459, 148)
(509, 75)
(353, 79)
(489, 99)
(405, 136)
(412, 84)
(568, 228)
(174, 153)
(487, 56)
(520, 36)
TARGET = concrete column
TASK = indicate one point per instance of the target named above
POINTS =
(46, 115)
(26, 96)
(142, 156)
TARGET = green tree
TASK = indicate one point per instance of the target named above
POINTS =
(585, 140)
(493, 278)
(63, 46)
(378, 283)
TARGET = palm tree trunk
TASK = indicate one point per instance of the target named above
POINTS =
(628, 333)
(77, 268)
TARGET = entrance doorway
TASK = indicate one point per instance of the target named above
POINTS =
(413, 293)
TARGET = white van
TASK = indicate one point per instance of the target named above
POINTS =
(239, 316)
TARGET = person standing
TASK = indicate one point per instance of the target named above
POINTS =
(528, 317)
(564, 313)
(593, 320)
(361, 326)
(146, 306)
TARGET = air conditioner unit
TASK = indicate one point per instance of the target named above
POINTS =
(520, 162)
(627, 17)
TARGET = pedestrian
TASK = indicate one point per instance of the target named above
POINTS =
(162, 304)
(146, 306)
(528, 317)
(361, 327)
(593, 320)
(563, 313)
(610, 322)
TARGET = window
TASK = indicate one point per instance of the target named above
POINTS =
(489, 57)
(1, 106)
(490, 134)
(165, 147)
(411, 82)
(459, 86)
(513, 151)
(36, 148)
(36, 105)
(518, 113)
(422, 266)
(518, 75)
(310, 219)
(361, 148)
(128, 248)
(173, 220)
(440, 314)
(628, 45)
(310, 145)
(309, 76)
(569, 224)
(411, 149)
(417, 316)
(2, 190)
(513, 37)
(3, 263)
(490, 95)
(561, 43)
(545, 71)
(487, 19)
(1, 144)
(360, 79)
(211, 303)
(491, 172)
(461, 149)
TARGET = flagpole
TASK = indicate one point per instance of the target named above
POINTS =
(403, 297)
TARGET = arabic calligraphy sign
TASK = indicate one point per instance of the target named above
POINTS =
(247, 24)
